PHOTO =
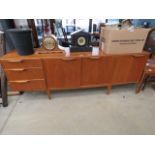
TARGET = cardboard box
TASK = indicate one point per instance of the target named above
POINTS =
(122, 41)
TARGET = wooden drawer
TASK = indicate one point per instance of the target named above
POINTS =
(21, 63)
(24, 73)
(22, 85)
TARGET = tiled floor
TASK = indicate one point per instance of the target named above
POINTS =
(89, 111)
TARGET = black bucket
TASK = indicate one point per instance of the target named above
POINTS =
(22, 40)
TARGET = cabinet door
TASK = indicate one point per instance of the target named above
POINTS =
(62, 73)
(96, 71)
(122, 65)
(137, 67)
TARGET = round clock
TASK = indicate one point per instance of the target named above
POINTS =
(81, 41)
(49, 43)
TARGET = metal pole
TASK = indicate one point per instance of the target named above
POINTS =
(2, 74)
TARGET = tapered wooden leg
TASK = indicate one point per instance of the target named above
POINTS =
(49, 94)
(145, 81)
(138, 88)
(109, 88)
(21, 92)
(140, 84)
(153, 86)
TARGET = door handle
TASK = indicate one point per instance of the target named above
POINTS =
(21, 81)
(15, 61)
(18, 69)
(69, 59)
(94, 57)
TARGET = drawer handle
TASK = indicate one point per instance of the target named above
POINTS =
(15, 61)
(68, 59)
(18, 69)
(21, 81)
(94, 57)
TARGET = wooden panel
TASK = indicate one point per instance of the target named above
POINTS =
(20, 63)
(122, 65)
(21, 85)
(62, 73)
(24, 73)
(97, 70)
(137, 67)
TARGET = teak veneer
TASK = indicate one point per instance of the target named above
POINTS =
(45, 72)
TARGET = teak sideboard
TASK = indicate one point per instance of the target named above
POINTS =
(45, 72)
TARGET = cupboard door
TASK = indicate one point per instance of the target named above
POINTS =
(137, 67)
(122, 65)
(62, 73)
(96, 71)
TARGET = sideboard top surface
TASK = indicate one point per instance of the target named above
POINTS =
(13, 54)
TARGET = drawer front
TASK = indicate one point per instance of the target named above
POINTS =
(21, 63)
(24, 74)
(21, 85)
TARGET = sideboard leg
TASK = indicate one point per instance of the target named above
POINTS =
(21, 92)
(153, 86)
(49, 94)
(109, 87)
(140, 84)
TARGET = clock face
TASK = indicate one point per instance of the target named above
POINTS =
(81, 41)
(49, 43)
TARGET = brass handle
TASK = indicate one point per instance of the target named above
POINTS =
(69, 59)
(21, 81)
(94, 57)
(18, 69)
(15, 61)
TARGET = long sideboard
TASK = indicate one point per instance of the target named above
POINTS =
(46, 72)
